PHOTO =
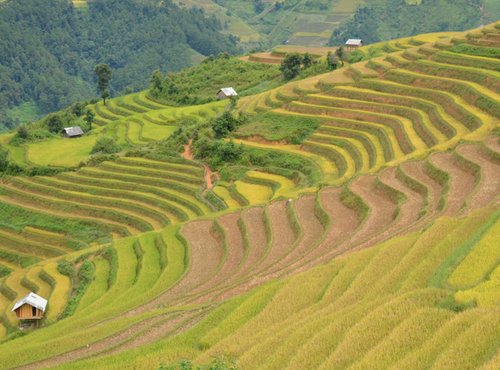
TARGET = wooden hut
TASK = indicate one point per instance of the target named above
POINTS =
(353, 44)
(31, 307)
(226, 92)
(73, 131)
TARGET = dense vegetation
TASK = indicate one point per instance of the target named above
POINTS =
(371, 23)
(200, 84)
(48, 50)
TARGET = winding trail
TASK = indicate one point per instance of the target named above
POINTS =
(188, 154)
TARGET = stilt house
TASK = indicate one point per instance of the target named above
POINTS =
(31, 307)
(73, 131)
(353, 44)
(226, 92)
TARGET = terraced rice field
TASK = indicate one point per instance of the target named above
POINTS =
(395, 266)
(417, 99)
(239, 252)
(132, 120)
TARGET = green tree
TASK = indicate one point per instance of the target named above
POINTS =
(78, 109)
(290, 67)
(89, 118)
(332, 60)
(104, 74)
(340, 53)
(224, 124)
(22, 132)
(55, 123)
(156, 82)
(4, 159)
(307, 61)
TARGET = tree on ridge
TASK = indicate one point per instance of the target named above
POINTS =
(104, 74)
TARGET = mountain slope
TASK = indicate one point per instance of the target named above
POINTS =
(370, 241)
(48, 50)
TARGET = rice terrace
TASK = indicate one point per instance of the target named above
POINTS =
(347, 217)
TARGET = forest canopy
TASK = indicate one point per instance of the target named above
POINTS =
(48, 49)
(381, 20)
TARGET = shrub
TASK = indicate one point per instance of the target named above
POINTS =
(291, 65)
(106, 145)
(224, 124)
(54, 123)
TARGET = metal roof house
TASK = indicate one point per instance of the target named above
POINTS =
(226, 92)
(353, 44)
(73, 131)
(31, 307)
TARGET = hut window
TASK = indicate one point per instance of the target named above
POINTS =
(33, 311)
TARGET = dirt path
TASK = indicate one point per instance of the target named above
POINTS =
(188, 152)
(149, 330)
(94, 348)
(208, 177)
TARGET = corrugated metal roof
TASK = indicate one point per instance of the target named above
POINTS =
(354, 42)
(33, 300)
(73, 131)
(229, 91)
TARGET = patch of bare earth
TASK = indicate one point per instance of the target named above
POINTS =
(312, 231)
(205, 256)
(141, 333)
(410, 209)
(493, 143)
(461, 182)
(489, 185)
(416, 170)
(188, 153)
(257, 249)
(235, 251)
(343, 225)
(381, 209)
(283, 236)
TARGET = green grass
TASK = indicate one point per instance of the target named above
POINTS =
(61, 152)
(201, 83)
(275, 127)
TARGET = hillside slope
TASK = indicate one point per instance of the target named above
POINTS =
(48, 50)
(355, 227)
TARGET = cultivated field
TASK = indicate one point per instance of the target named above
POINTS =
(387, 258)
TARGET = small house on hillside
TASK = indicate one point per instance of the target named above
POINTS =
(353, 44)
(73, 131)
(226, 92)
(31, 307)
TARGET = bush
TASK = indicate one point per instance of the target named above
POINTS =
(54, 123)
(291, 65)
(106, 145)
(224, 124)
